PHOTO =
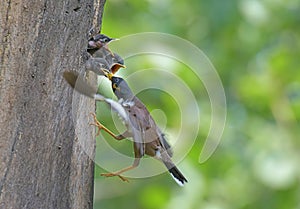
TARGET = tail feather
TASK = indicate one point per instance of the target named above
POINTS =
(178, 176)
(174, 171)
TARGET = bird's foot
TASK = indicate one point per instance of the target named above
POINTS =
(114, 174)
(97, 124)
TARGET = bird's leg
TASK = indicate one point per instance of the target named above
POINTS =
(100, 126)
(117, 173)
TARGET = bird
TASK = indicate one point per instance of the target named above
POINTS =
(102, 57)
(109, 63)
(147, 137)
(99, 41)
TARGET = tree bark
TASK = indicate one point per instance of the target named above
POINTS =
(44, 163)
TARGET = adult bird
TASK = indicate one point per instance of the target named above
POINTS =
(147, 137)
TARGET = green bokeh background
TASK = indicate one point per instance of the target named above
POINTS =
(255, 48)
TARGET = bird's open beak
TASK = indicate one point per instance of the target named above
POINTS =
(116, 67)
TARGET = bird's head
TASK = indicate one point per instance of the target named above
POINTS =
(99, 40)
(121, 88)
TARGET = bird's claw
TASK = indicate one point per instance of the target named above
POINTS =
(114, 174)
(96, 123)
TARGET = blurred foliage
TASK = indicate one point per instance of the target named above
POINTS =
(255, 47)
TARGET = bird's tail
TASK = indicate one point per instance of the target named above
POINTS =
(174, 171)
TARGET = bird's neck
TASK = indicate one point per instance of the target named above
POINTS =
(128, 101)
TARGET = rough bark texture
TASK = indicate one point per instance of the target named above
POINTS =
(44, 149)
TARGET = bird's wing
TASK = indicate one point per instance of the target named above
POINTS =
(153, 130)
(164, 143)
(146, 128)
(78, 83)
(137, 130)
(140, 123)
(117, 107)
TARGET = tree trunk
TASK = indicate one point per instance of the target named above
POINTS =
(44, 163)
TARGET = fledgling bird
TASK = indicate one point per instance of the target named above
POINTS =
(99, 41)
(102, 57)
(110, 63)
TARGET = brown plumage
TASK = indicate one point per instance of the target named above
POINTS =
(148, 138)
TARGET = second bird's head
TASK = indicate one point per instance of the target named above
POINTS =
(121, 88)
(99, 40)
